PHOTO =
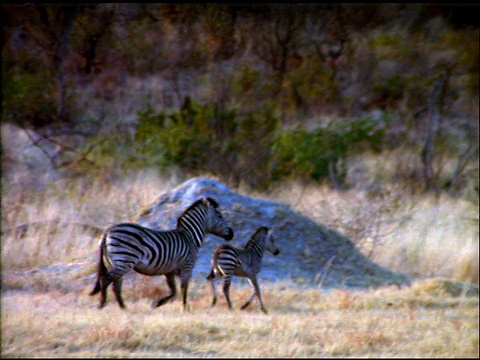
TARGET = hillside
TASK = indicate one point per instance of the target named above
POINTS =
(250, 93)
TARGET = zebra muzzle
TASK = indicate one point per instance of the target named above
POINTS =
(229, 235)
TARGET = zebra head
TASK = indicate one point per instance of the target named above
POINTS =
(262, 240)
(270, 243)
(216, 223)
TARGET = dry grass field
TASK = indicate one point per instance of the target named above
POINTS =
(48, 313)
(421, 321)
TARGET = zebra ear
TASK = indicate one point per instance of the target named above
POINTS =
(212, 202)
(204, 201)
(269, 230)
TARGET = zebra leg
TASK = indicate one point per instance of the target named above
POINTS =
(211, 277)
(105, 280)
(249, 300)
(256, 288)
(114, 276)
(185, 279)
(226, 289)
(173, 291)
(251, 297)
(117, 290)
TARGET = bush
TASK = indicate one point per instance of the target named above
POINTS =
(27, 99)
(250, 149)
(322, 153)
(208, 138)
(192, 138)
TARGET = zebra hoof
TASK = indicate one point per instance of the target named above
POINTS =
(158, 303)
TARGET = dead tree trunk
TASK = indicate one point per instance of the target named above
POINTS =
(59, 58)
(433, 125)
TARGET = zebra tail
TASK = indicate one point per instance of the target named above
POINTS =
(214, 271)
(212, 274)
(101, 268)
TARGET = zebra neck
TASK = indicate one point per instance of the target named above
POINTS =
(256, 249)
(194, 224)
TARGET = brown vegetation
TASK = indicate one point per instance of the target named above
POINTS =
(422, 321)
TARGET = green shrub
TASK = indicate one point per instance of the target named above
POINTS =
(250, 148)
(208, 138)
(192, 138)
(27, 98)
(322, 153)
(252, 145)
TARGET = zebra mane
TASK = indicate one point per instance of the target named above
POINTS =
(202, 200)
(254, 237)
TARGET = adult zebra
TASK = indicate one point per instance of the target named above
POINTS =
(128, 246)
(229, 261)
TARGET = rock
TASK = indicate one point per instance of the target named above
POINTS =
(330, 259)
(26, 161)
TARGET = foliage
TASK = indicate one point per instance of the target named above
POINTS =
(199, 137)
(187, 137)
(251, 146)
(277, 65)
(111, 153)
(27, 98)
(321, 153)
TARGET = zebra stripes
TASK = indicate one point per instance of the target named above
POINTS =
(171, 253)
(229, 261)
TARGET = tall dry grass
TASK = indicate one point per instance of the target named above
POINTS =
(93, 202)
(421, 235)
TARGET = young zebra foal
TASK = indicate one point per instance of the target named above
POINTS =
(130, 246)
(229, 261)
